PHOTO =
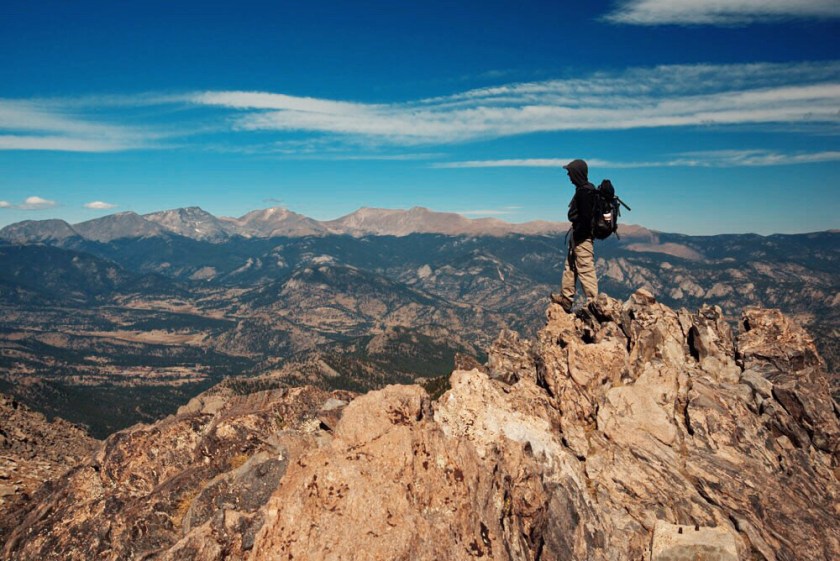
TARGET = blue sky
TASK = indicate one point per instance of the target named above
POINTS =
(709, 116)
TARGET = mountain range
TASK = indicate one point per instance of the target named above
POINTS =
(121, 319)
(198, 224)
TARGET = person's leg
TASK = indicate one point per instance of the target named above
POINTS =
(585, 267)
(567, 286)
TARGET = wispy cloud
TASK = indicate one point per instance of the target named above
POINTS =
(787, 96)
(506, 163)
(68, 126)
(60, 144)
(5, 204)
(665, 96)
(35, 203)
(719, 12)
(715, 158)
(754, 158)
(100, 205)
(379, 157)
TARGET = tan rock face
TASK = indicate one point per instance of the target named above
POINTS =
(191, 486)
(388, 487)
(672, 542)
(33, 451)
(600, 440)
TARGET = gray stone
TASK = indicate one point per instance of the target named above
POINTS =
(760, 385)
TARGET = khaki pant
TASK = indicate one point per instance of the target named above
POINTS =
(584, 271)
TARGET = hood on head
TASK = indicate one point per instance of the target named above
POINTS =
(578, 172)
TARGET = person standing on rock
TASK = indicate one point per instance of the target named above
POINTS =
(580, 258)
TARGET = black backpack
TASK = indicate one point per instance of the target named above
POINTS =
(605, 211)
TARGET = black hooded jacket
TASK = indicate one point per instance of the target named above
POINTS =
(581, 205)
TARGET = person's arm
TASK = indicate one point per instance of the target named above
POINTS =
(584, 200)
(572, 215)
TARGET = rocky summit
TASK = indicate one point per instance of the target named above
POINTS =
(628, 431)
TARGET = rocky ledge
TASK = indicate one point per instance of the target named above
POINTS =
(33, 451)
(631, 432)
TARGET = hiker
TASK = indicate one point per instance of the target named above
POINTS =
(580, 258)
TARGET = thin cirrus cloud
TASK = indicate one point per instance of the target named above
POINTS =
(100, 205)
(66, 126)
(712, 158)
(60, 144)
(782, 95)
(719, 12)
(665, 96)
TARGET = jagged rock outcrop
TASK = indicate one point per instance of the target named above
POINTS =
(629, 432)
(33, 451)
(191, 486)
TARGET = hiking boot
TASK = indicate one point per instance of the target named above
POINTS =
(564, 302)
